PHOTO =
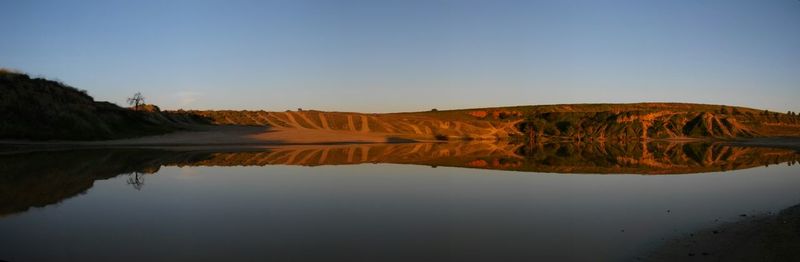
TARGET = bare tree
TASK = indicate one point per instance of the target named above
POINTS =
(136, 100)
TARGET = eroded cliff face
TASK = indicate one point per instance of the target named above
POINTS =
(603, 126)
(411, 125)
(602, 122)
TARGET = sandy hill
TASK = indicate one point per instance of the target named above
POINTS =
(577, 122)
(40, 109)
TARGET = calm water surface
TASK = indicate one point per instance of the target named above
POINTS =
(135, 205)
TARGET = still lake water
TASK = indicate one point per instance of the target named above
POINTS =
(380, 203)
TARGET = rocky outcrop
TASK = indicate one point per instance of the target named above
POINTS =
(642, 125)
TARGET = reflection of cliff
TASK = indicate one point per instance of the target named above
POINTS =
(412, 153)
(650, 158)
(629, 158)
(37, 179)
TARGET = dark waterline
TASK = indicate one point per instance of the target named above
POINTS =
(131, 205)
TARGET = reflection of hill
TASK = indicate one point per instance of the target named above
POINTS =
(632, 158)
(651, 158)
(42, 178)
(37, 179)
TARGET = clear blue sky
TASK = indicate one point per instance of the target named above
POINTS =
(380, 56)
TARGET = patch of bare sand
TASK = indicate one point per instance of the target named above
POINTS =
(239, 135)
(322, 136)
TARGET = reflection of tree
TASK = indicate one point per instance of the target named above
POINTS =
(136, 180)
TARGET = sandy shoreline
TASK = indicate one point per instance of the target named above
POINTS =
(268, 136)
(233, 136)
(767, 237)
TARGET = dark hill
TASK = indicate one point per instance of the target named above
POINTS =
(41, 109)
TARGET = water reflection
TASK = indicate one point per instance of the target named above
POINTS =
(136, 180)
(257, 203)
(609, 158)
(36, 179)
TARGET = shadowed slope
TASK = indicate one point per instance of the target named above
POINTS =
(40, 109)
